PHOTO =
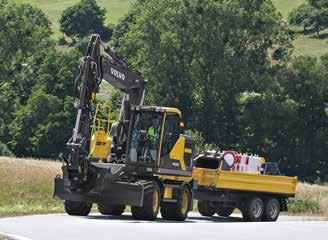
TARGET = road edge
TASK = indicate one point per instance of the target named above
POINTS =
(12, 236)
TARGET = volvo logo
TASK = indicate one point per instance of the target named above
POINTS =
(117, 73)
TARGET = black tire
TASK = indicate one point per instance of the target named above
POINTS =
(177, 211)
(150, 208)
(77, 208)
(205, 208)
(253, 210)
(225, 211)
(271, 210)
(111, 209)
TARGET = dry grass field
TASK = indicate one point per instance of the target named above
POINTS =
(26, 187)
(311, 199)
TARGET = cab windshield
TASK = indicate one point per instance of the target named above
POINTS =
(145, 137)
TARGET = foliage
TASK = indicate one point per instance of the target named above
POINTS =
(36, 98)
(314, 15)
(212, 60)
(4, 150)
(179, 45)
(288, 124)
(82, 19)
(82, 44)
(303, 206)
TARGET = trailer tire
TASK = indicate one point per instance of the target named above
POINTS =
(77, 208)
(111, 209)
(150, 208)
(253, 210)
(205, 208)
(271, 210)
(177, 211)
(225, 211)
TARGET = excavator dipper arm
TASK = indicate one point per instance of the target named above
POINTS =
(100, 63)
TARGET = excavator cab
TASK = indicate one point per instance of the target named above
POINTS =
(156, 143)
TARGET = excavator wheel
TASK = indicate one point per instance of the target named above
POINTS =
(177, 211)
(111, 209)
(205, 208)
(149, 210)
(77, 208)
(224, 211)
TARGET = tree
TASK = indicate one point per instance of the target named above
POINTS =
(39, 127)
(82, 19)
(41, 124)
(24, 38)
(311, 15)
(199, 55)
(287, 122)
(36, 95)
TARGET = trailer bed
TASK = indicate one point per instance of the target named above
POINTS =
(220, 179)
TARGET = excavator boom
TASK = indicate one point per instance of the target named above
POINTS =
(100, 63)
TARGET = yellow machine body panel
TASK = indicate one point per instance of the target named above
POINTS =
(245, 181)
(100, 144)
(178, 151)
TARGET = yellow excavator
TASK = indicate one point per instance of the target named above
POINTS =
(143, 160)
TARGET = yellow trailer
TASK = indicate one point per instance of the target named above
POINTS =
(260, 194)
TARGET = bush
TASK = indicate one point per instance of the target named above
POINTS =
(304, 206)
(4, 150)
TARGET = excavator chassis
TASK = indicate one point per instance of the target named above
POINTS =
(115, 193)
(106, 188)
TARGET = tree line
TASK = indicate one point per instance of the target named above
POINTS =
(227, 65)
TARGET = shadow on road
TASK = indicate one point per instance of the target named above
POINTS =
(191, 219)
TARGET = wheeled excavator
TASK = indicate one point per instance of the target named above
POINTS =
(144, 161)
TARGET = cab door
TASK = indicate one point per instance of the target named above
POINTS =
(175, 157)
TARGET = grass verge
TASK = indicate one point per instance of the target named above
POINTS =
(26, 186)
(311, 199)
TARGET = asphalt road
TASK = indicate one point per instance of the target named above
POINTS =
(95, 226)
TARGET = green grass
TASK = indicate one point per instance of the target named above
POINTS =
(286, 6)
(304, 44)
(54, 8)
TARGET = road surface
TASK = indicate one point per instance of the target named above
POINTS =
(95, 226)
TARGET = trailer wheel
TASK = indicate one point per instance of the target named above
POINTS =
(177, 211)
(271, 210)
(77, 208)
(149, 210)
(205, 208)
(111, 209)
(225, 211)
(253, 210)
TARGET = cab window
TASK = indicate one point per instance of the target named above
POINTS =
(171, 133)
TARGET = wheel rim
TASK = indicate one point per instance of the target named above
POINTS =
(184, 206)
(257, 209)
(155, 201)
(273, 210)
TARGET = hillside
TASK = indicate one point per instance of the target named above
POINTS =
(308, 44)
(54, 8)
(304, 44)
